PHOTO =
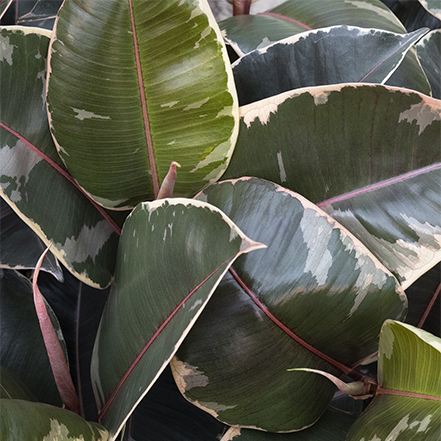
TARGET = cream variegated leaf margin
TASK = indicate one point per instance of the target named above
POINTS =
(433, 6)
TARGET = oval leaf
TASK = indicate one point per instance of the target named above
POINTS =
(271, 312)
(157, 88)
(172, 255)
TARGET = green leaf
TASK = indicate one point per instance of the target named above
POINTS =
(172, 255)
(33, 180)
(429, 53)
(338, 54)
(20, 246)
(155, 89)
(332, 426)
(20, 350)
(407, 405)
(352, 149)
(24, 420)
(432, 6)
(271, 312)
(244, 33)
(363, 13)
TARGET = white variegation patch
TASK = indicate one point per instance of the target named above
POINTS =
(369, 6)
(282, 171)
(84, 114)
(97, 235)
(197, 104)
(423, 114)
(6, 50)
(170, 104)
(16, 163)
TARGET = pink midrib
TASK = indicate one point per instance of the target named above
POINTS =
(148, 134)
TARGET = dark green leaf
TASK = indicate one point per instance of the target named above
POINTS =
(338, 54)
(429, 53)
(22, 344)
(272, 312)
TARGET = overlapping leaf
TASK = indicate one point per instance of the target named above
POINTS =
(272, 312)
(407, 404)
(78, 308)
(27, 420)
(20, 246)
(32, 178)
(172, 254)
(369, 155)
(338, 54)
(127, 100)
(363, 13)
(432, 6)
(22, 343)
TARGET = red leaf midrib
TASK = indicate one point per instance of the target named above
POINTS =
(148, 134)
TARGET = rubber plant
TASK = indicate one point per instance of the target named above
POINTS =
(219, 228)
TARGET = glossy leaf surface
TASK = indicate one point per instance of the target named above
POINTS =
(156, 88)
(32, 178)
(172, 254)
(22, 343)
(270, 311)
(364, 13)
(339, 54)
(355, 146)
(408, 403)
(26, 420)
(429, 53)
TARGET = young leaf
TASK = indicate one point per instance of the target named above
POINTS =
(57, 358)
(172, 255)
